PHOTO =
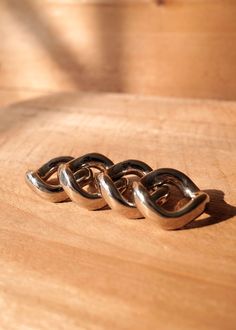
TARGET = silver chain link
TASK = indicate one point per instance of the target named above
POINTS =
(130, 188)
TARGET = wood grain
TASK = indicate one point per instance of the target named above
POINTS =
(63, 267)
(183, 48)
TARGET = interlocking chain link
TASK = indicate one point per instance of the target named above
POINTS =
(130, 187)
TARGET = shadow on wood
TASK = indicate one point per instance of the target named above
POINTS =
(218, 210)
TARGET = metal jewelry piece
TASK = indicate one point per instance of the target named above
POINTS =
(130, 187)
(122, 201)
(38, 180)
(160, 181)
(91, 198)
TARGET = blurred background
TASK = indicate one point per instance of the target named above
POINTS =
(176, 48)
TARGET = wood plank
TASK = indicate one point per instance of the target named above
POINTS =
(63, 267)
(180, 49)
(12, 95)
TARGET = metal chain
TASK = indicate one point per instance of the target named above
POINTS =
(130, 187)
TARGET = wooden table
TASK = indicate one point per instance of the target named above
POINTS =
(63, 267)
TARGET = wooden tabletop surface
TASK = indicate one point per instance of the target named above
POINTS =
(63, 267)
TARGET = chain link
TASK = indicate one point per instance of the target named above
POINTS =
(130, 188)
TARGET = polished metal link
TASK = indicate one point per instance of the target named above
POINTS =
(122, 202)
(91, 198)
(130, 188)
(161, 180)
(39, 180)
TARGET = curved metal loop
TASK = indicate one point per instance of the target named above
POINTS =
(160, 180)
(91, 198)
(51, 191)
(121, 201)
